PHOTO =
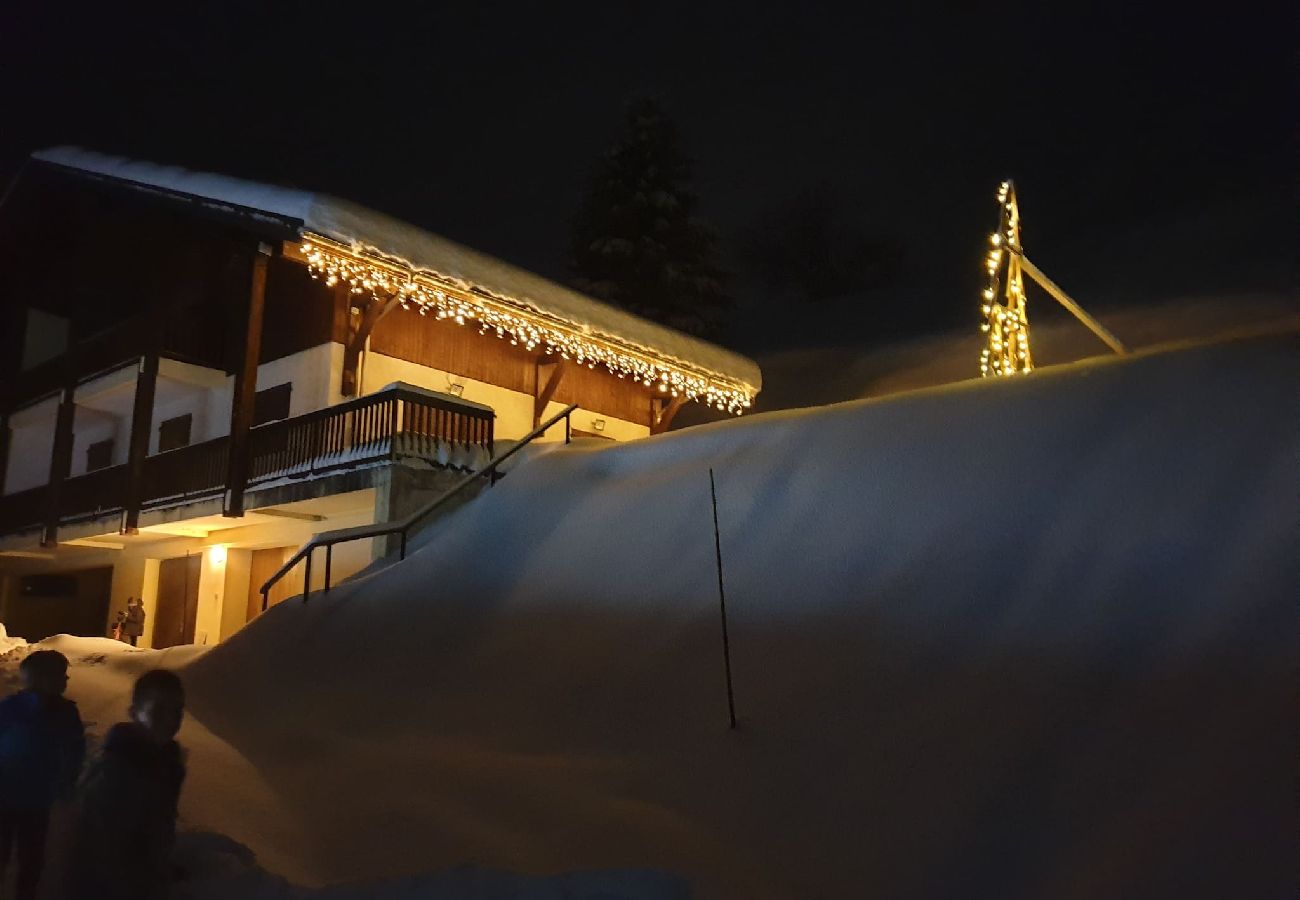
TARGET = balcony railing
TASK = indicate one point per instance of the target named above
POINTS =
(387, 426)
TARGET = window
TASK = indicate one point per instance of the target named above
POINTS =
(272, 404)
(174, 433)
(99, 455)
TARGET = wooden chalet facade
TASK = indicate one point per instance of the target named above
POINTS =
(201, 372)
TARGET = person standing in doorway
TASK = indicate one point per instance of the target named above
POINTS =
(133, 623)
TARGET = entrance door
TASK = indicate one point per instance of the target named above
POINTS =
(262, 565)
(178, 601)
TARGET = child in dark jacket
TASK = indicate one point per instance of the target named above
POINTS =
(126, 812)
(42, 743)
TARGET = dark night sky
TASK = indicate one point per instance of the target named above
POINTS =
(1154, 151)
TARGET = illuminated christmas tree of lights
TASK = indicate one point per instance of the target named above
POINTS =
(1005, 322)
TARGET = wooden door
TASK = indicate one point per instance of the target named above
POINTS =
(262, 565)
(178, 601)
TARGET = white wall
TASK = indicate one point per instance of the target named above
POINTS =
(309, 372)
(31, 446)
(91, 426)
(212, 594)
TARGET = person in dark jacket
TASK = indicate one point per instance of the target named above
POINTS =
(125, 818)
(42, 744)
(133, 621)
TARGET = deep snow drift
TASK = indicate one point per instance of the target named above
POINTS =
(1004, 639)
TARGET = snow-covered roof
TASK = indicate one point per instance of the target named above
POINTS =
(366, 230)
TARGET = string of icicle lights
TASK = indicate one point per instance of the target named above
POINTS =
(1005, 322)
(430, 295)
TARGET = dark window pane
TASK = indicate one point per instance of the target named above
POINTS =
(99, 455)
(272, 404)
(174, 433)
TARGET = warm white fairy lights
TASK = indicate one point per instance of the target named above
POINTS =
(1005, 321)
(433, 294)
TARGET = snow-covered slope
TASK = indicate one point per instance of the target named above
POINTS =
(1005, 639)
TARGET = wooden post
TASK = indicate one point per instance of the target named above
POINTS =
(1061, 297)
(241, 405)
(60, 464)
(146, 383)
(722, 604)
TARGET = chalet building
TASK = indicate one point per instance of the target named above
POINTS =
(201, 372)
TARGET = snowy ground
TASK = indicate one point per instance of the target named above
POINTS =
(219, 868)
(1004, 639)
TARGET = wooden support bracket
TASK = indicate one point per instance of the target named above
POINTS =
(552, 370)
(662, 411)
(360, 327)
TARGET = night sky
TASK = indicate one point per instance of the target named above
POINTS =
(1154, 151)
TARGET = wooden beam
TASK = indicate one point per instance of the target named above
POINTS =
(552, 370)
(662, 412)
(60, 465)
(146, 383)
(359, 331)
(241, 405)
(1065, 300)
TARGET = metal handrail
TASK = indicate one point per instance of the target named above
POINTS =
(328, 539)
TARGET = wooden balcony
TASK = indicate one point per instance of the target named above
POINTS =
(396, 424)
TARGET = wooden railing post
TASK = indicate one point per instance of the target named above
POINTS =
(391, 407)
(306, 578)
(241, 405)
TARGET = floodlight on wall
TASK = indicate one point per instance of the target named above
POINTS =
(598, 424)
(455, 389)
(217, 554)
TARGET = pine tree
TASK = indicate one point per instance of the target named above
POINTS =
(636, 241)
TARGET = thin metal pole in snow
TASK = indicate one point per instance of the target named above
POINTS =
(722, 603)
